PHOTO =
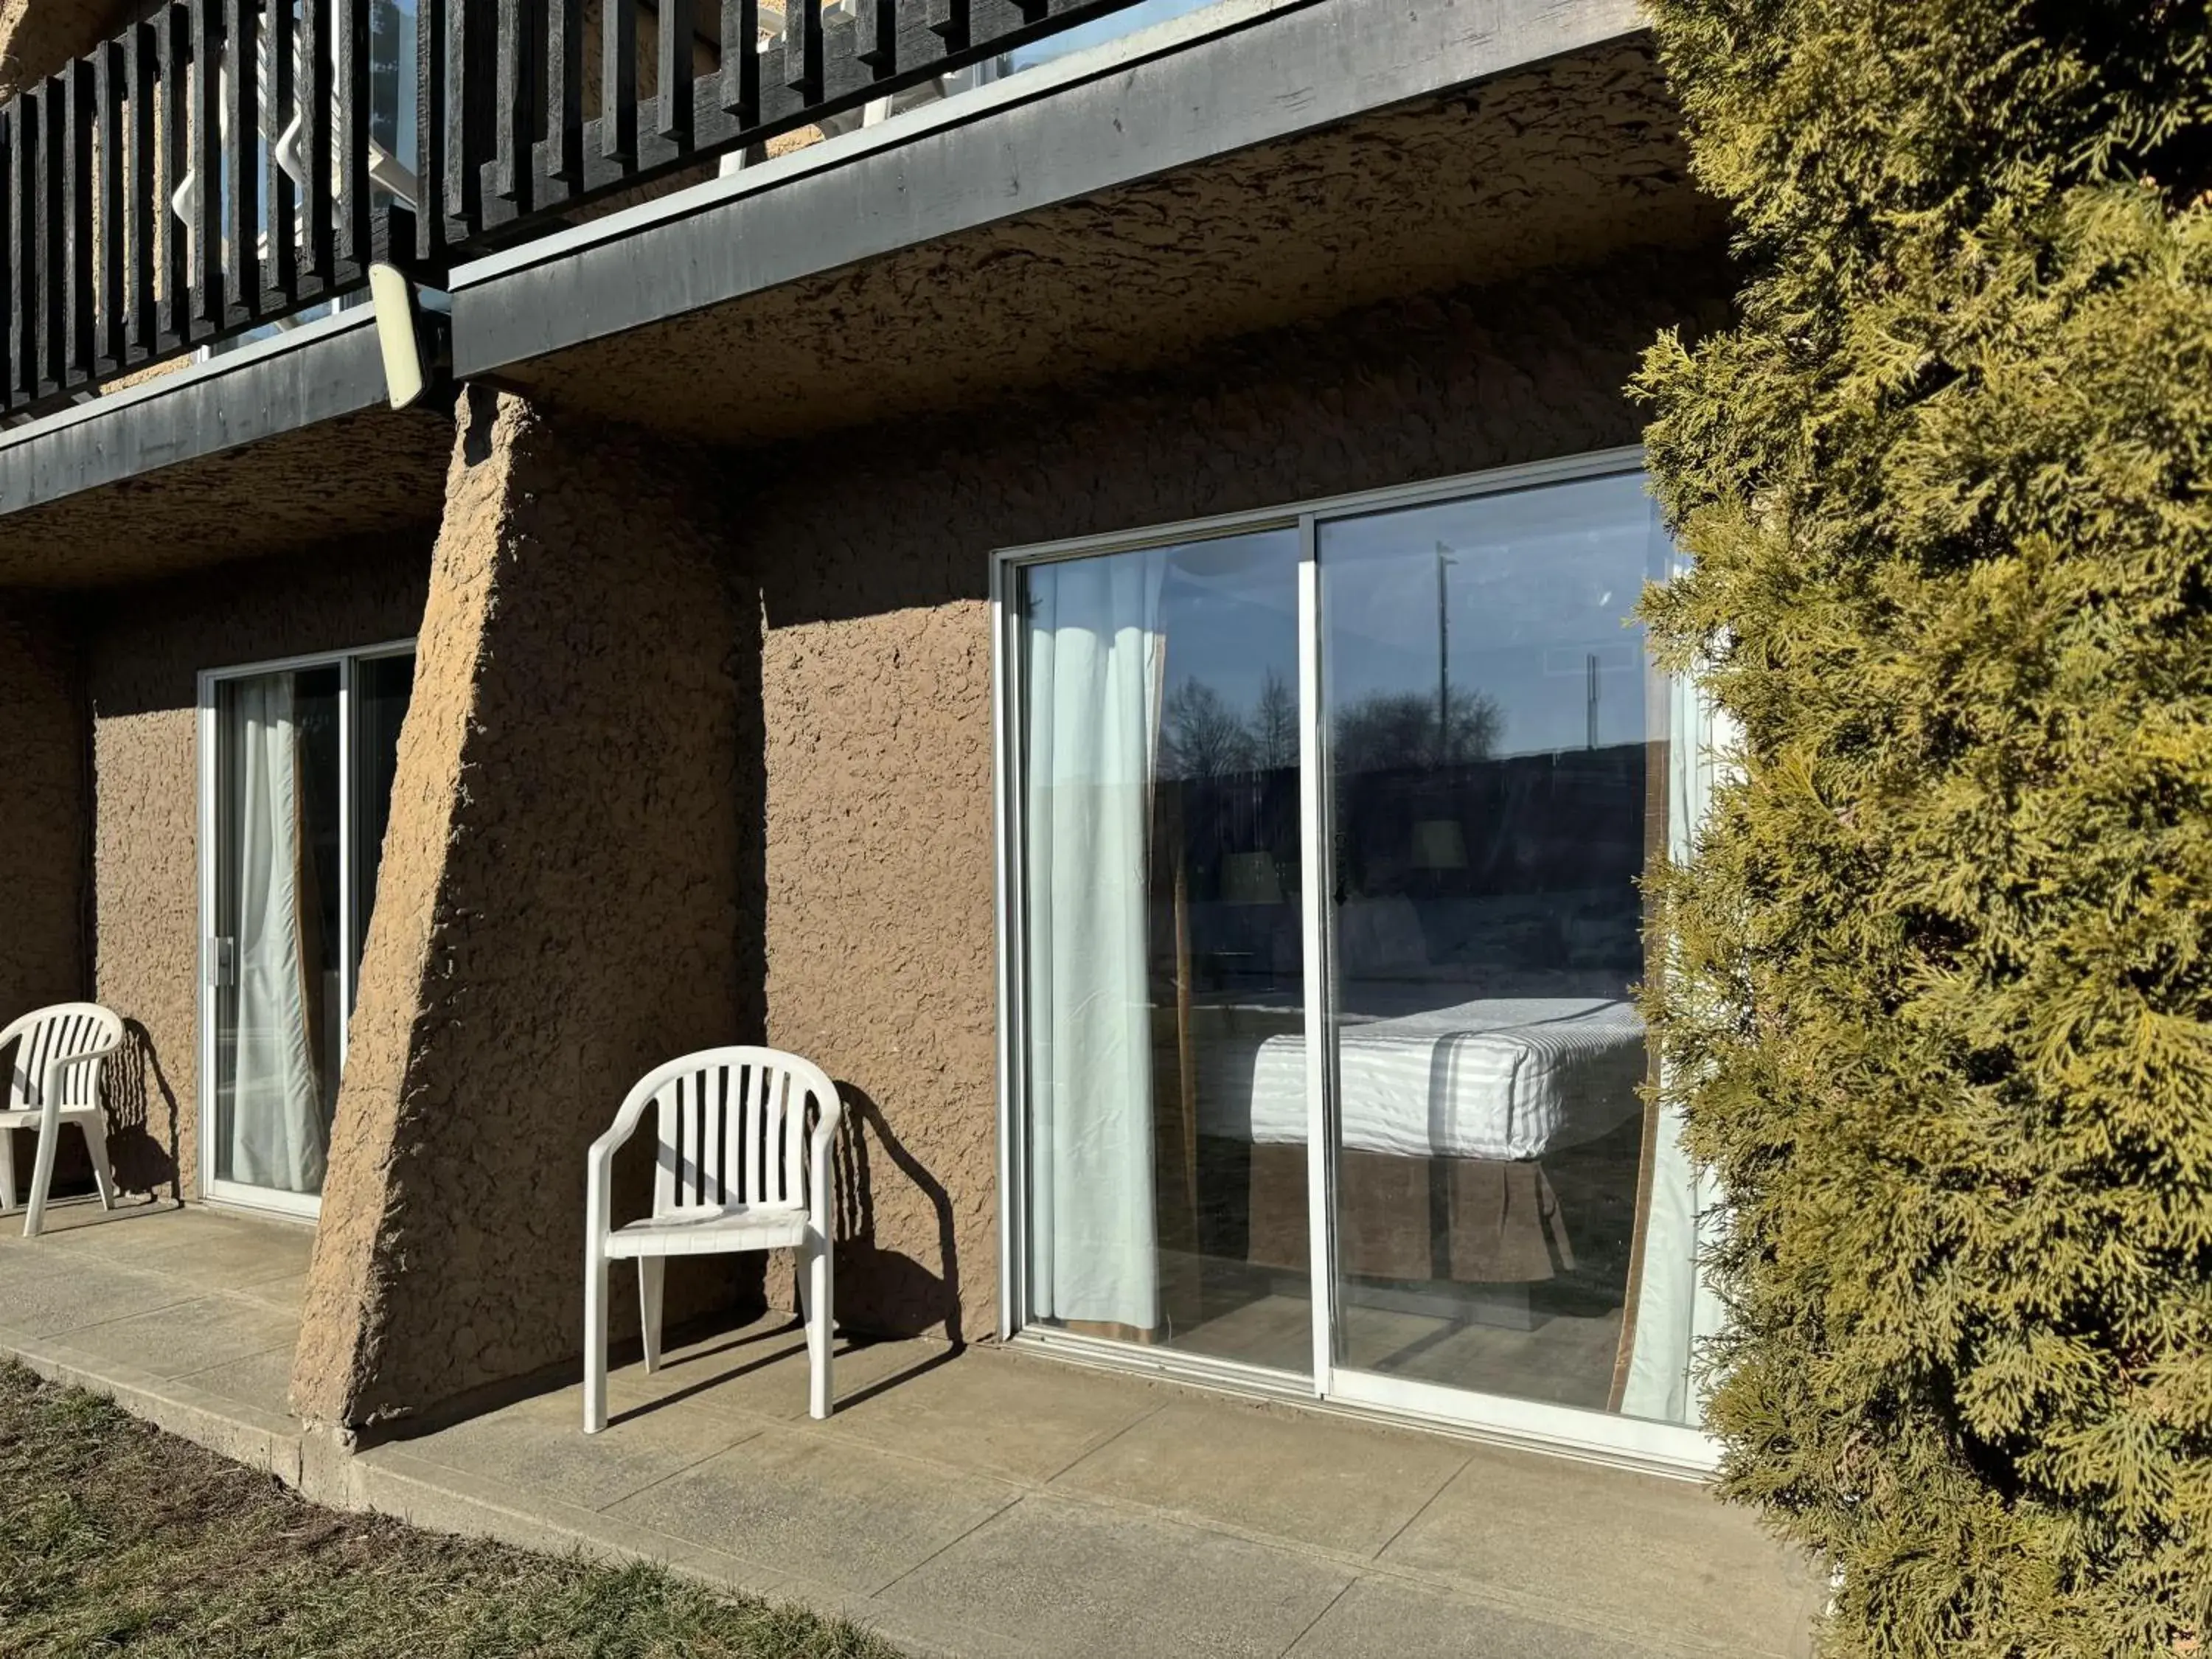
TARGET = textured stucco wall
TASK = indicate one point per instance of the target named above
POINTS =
(146, 647)
(869, 555)
(557, 910)
(37, 37)
(43, 780)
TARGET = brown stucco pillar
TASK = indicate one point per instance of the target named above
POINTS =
(556, 910)
(37, 37)
(44, 829)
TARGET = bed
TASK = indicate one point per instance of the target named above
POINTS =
(1456, 1120)
(1504, 1078)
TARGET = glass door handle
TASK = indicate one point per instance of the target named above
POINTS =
(222, 963)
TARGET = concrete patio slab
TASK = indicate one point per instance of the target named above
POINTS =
(1022, 1421)
(1635, 1552)
(985, 1505)
(1077, 1580)
(1336, 1485)
(846, 1515)
(538, 1447)
(49, 1304)
(1386, 1618)
(261, 1380)
(191, 1336)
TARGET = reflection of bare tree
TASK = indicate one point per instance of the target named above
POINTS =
(1275, 724)
(1204, 735)
(1201, 734)
(1389, 730)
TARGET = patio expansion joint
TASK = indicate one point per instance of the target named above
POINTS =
(966, 1532)
(1306, 1629)
(745, 1432)
(1091, 1451)
(1426, 1505)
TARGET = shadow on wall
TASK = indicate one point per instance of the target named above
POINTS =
(142, 1117)
(891, 1293)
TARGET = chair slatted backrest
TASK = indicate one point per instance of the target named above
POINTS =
(61, 1032)
(733, 1130)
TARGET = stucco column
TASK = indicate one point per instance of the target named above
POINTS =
(556, 910)
(43, 738)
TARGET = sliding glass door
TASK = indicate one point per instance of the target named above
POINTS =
(1160, 833)
(295, 783)
(1321, 885)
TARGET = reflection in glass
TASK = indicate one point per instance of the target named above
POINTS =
(277, 890)
(1498, 764)
(381, 688)
(1160, 863)
(284, 852)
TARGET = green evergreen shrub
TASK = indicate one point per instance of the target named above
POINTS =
(1940, 1011)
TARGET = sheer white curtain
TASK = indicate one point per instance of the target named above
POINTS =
(1091, 709)
(276, 1134)
(1674, 1308)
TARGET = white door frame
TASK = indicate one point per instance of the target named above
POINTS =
(306, 1205)
(1602, 1436)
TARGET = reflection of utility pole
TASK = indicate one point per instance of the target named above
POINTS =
(1589, 670)
(1443, 662)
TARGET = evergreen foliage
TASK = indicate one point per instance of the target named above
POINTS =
(1941, 1008)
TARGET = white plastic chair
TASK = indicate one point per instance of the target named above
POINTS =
(55, 1080)
(735, 1171)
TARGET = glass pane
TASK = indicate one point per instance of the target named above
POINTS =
(1498, 780)
(278, 871)
(1163, 1005)
(381, 688)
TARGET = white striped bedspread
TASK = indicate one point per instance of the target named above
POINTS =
(1504, 1078)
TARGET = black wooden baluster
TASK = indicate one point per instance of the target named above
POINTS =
(143, 205)
(948, 20)
(173, 33)
(618, 80)
(741, 60)
(239, 188)
(672, 111)
(53, 232)
(315, 88)
(349, 78)
(517, 83)
(464, 129)
(107, 83)
(564, 91)
(280, 198)
(14, 251)
(207, 168)
(171, 132)
(430, 115)
(875, 34)
(802, 48)
(76, 129)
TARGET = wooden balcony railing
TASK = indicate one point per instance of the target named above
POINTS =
(168, 190)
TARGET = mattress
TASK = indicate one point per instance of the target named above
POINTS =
(1502, 1078)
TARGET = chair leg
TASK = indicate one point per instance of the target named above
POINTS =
(816, 1296)
(42, 1175)
(650, 1272)
(103, 1173)
(7, 1171)
(595, 1338)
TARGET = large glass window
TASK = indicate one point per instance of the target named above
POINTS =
(1504, 1217)
(300, 784)
(1161, 859)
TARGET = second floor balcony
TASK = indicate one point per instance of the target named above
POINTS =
(221, 167)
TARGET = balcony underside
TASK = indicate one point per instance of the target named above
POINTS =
(1129, 210)
(1557, 164)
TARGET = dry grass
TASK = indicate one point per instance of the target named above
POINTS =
(115, 1537)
